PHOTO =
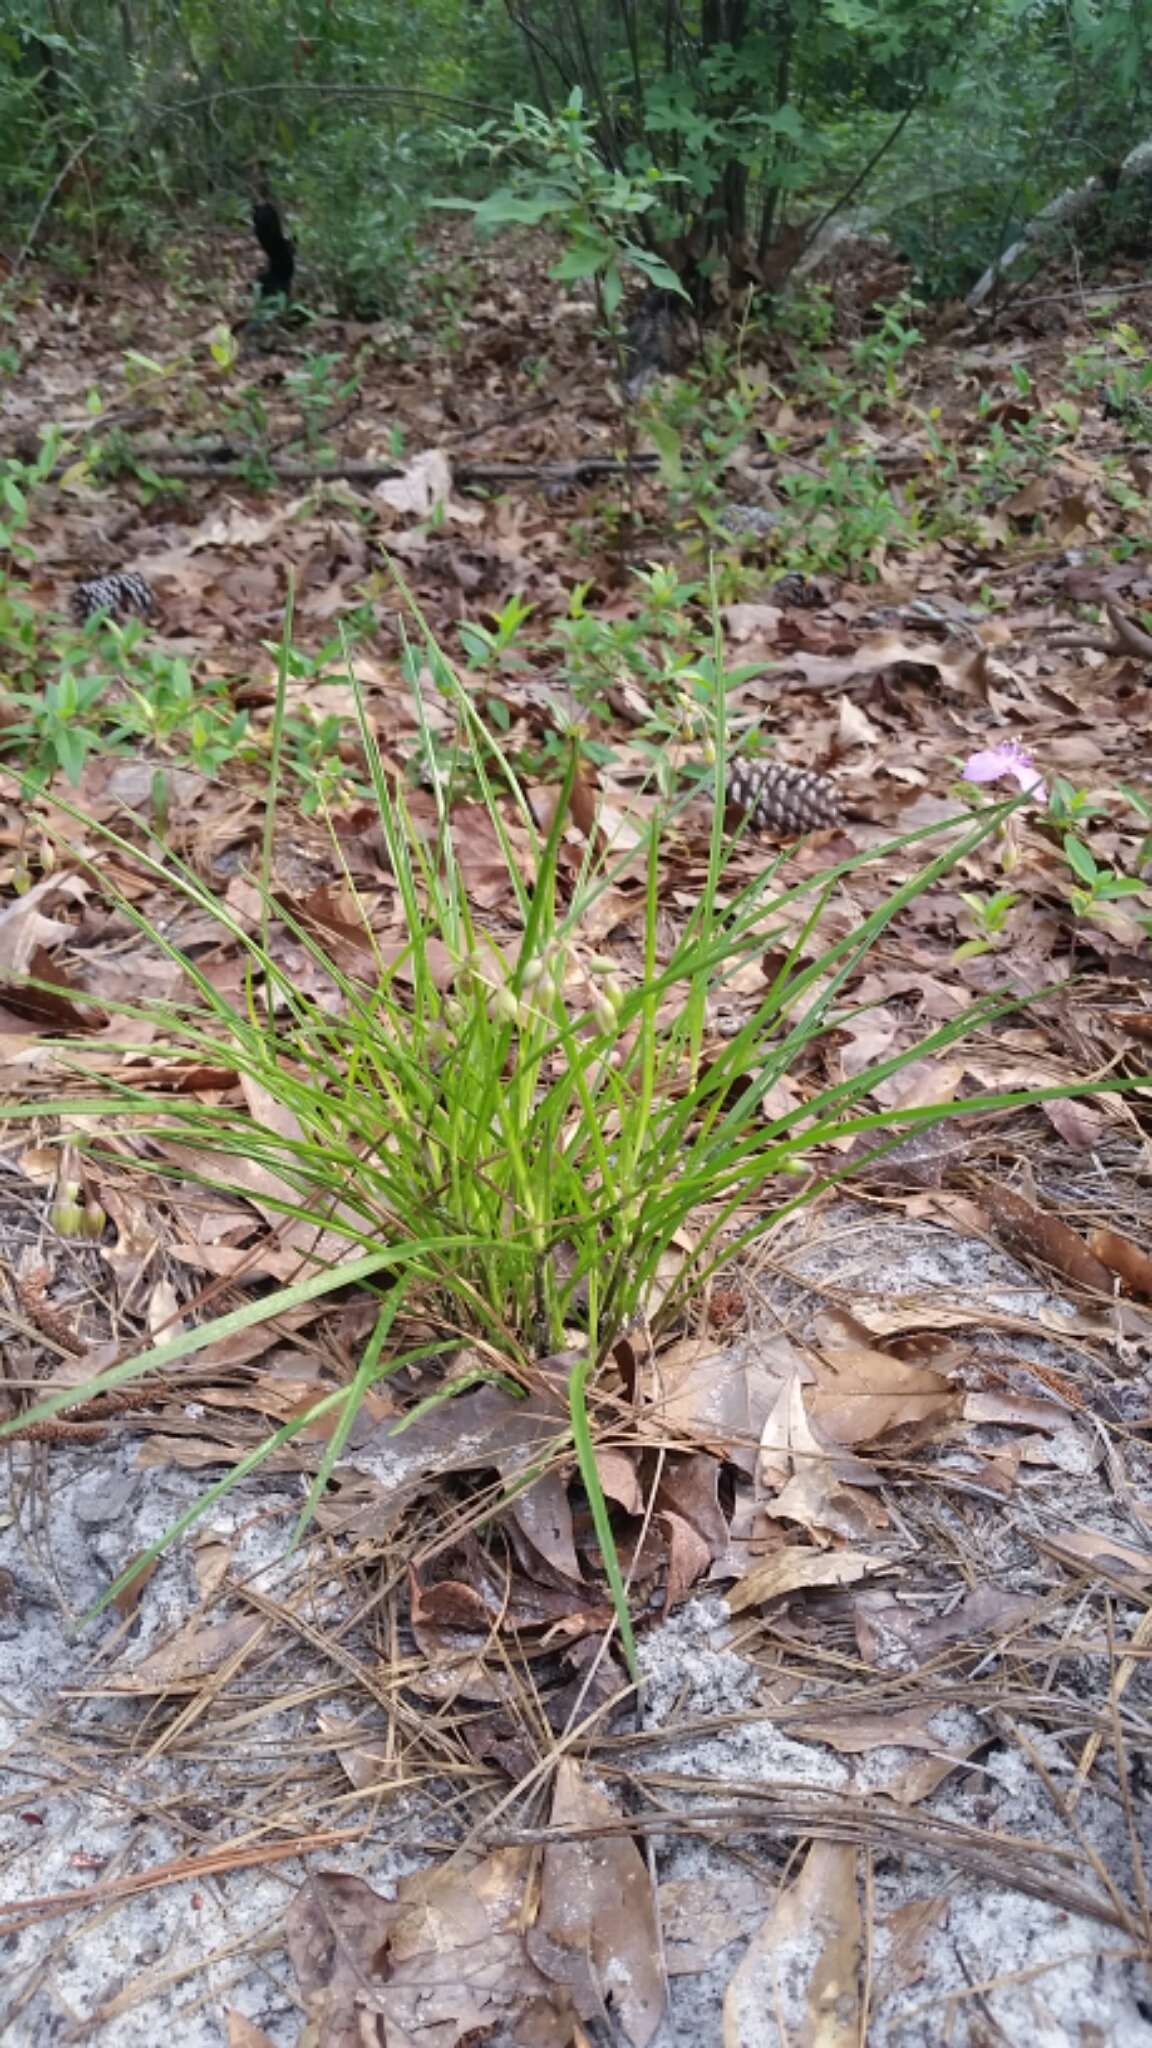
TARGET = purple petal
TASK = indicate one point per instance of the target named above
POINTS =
(1007, 761)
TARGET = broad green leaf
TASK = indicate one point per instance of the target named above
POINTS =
(582, 259)
(504, 207)
(1079, 858)
(660, 273)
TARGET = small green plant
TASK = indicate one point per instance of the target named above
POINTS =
(107, 693)
(807, 316)
(1008, 457)
(319, 391)
(495, 648)
(991, 914)
(840, 511)
(360, 193)
(312, 743)
(18, 481)
(1094, 885)
(697, 425)
(509, 1137)
(885, 350)
(870, 372)
(55, 728)
(559, 181)
(1143, 809)
(645, 649)
(1069, 815)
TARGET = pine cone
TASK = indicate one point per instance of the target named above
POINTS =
(776, 797)
(797, 590)
(118, 594)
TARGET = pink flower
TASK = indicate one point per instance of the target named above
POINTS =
(1006, 761)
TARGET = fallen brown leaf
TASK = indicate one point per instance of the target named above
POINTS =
(1033, 1233)
(595, 1932)
(856, 1734)
(799, 1979)
(242, 2033)
(200, 1647)
(814, 1482)
(702, 1915)
(1095, 1547)
(795, 1568)
(1121, 1256)
(863, 1395)
(441, 1964)
(721, 1396)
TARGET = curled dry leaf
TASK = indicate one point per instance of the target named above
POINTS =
(467, 1432)
(1078, 1123)
(367, 1760)
(920, 1779)
(423, 483)
(543, 1514)
(200, 1647)
(1121, 1256)
(689, 1555)
(720, 1396)
(336, 1929)
(1102, 1552)
(815, 1483)
(796, 1568)
(987, 1611)
(856, 1734)
(1031, 1233)
(25, 930)
(620, 1479)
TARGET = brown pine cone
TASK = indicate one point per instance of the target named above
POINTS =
(117, 595)
(797, 591)
(776, 797)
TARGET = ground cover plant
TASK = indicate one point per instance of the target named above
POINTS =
(516, 1136)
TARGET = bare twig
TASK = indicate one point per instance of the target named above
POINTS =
(788, 1810)
(45, 206)
(20, 1913)
(366, 470)
(1128, 639)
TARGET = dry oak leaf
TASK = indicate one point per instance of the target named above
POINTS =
(794, 1568)
(863, 1395)
(596, 1931)
(799, 1980)
(815, 1483)
(182, 1664)
(442, 1964)
(721, 1396)
(26, 931)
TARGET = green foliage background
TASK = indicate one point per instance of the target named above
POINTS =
(951, 121)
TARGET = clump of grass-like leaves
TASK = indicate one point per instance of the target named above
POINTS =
(508, 1139)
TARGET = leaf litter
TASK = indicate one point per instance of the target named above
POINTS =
(882, 1505)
